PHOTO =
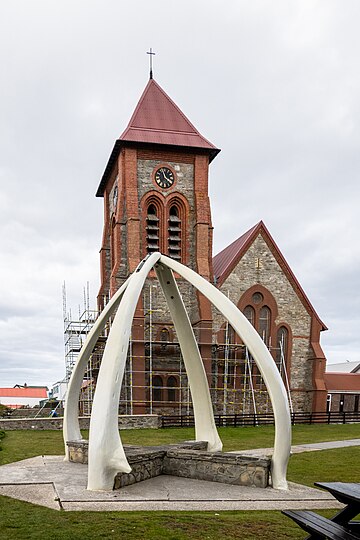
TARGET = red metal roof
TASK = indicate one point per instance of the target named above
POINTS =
(158, 120)
(225, 261)
(39, 392)
(342, 382)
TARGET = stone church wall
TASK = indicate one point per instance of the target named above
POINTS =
(259, 266)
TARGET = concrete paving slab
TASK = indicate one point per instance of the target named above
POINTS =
(41, 494)
(55, 483)
(52, 482)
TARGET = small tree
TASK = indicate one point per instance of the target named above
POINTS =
(4, 410)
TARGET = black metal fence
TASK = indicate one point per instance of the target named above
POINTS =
(240, 420)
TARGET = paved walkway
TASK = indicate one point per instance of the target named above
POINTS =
(299, 448)
(51, 482)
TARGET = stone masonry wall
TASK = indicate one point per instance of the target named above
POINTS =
(259, 266)
(188, 460)
(150, 421)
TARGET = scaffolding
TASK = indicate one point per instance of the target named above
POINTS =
(76, 331)
(235, 382)
(236, 385)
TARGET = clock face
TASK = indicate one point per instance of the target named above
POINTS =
(164, 177)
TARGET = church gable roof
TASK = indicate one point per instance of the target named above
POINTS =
(158, 120)
(225, 262)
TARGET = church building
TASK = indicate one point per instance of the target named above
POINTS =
(155, 191)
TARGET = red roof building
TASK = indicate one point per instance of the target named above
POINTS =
(343, 391)
(22, 396)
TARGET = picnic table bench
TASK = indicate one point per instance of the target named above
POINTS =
(341, 526)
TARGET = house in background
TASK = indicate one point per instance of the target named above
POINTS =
(344, 367)
(58, 391)
(21, 396)
(343, 385)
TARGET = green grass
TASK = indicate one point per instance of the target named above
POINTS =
(25, 521)
(20, 520)
(336, 465)
(26, 443)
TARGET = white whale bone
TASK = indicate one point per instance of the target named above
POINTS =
(264, 361)
(106, 454)
(71, 428)
(205, 428)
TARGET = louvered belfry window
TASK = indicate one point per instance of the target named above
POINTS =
(174, 233)
(152, 229)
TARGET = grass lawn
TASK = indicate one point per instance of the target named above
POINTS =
(19, 520)
(26, 443)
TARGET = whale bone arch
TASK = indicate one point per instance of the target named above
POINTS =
(106, 453)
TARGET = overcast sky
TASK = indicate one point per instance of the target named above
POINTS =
(275, 85)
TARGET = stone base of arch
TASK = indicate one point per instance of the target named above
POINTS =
(187, 460)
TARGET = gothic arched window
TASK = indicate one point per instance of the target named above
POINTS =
(164, 335)
(264, 324)
(157, 388)
(174, 232)
(249, 313)
(112, 243)
(282, 345)
(172, 385)
(152, 229)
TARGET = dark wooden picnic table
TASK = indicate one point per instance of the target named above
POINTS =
(341, 526)
(348, 494)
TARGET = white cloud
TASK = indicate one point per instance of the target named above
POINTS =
(275, 85)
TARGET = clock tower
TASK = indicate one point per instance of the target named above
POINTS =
(155, 190)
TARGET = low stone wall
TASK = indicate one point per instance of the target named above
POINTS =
(188, 460)
(221, 467)
(143, 467)
(148, 421)
(30, 412)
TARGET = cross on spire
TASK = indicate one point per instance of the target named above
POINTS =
(151, 53)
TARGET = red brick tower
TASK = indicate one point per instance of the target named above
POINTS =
(155, 190)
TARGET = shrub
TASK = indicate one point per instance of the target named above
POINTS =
(4, 410)
(2, 435)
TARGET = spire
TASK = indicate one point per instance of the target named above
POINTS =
(158, 120)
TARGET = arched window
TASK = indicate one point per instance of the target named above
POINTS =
(264, 324)
(157, 388)
(171, 388)
(230, 338)
(174, 233)
(112, 243)
(164, 338)
(152, 229)
(249, 313)
(165, 335)
(282, 346)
